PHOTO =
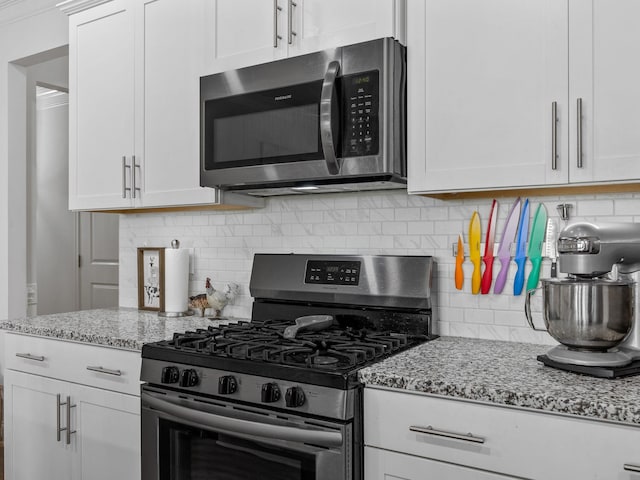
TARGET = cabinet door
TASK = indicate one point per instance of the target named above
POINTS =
(32, 450)
(107, 435)
(320, 24)
(245, 32)
(386, 465)
(483, 77)
(171, 42)
(604, 74)
(101, 100)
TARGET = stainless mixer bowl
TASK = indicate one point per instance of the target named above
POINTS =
(586, 314)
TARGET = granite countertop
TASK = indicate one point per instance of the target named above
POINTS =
(125, 328)
(505, 373)
(502, 373)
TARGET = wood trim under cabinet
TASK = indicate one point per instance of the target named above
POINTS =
(191, 208)
(539, 191)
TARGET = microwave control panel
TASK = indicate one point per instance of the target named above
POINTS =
(332, 272)
(361, 94)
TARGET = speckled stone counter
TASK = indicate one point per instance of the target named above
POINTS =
(118, 327)
(505, 373)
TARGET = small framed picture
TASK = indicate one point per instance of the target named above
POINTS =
(151, 279)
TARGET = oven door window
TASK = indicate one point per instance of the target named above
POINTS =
(262, 128)
(187, 453)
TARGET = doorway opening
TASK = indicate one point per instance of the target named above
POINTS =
(72, 257)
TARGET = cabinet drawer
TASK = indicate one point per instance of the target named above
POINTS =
(511, 441)
(96, 366)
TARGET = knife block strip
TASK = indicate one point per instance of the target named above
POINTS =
(496, 247)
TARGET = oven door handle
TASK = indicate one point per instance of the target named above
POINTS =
(235, 425)
(328, 116)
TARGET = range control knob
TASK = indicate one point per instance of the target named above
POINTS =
(227, 385)
(294, 397)
(270, 393)
(189, 378)
(170, 375)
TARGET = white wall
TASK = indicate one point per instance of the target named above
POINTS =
(375, 223)
(27, 29)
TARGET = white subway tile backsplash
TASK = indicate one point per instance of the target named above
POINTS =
(393, 222)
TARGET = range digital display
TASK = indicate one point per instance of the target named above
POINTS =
(332, 272)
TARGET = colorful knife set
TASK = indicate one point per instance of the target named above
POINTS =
(515, 229)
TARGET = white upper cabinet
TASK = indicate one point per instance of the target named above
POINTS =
(320, 24)
(250, 32)
(245, 32)
(605, 74)
(482, 79)
(101, 106)
(134, 102)
(172, 34)
(488, 78)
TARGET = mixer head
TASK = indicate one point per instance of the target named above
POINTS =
(589, 250)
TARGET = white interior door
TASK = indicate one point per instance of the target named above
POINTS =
(99, 260)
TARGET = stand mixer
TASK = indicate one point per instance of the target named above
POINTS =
(595, 312)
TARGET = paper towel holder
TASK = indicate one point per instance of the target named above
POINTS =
(175, 244)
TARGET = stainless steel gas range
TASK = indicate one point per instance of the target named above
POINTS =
(278, 397)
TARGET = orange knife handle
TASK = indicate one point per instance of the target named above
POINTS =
(476, 277)
(487, 276)
(459, 275)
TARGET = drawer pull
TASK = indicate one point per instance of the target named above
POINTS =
(106, 371)
(28, 356)
(632, 468)
(440, 433)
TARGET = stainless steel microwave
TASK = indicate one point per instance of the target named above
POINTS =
(328, 121)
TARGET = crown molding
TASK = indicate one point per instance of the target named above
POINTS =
(8, 3)
(12, 11)
(74, 6)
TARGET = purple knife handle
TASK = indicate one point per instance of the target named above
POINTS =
(501, 279)
(518, 282)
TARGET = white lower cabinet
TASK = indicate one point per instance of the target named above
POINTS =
(416, 436)
(386, 465)
(62, 429)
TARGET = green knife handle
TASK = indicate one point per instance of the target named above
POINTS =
(534, 276)
(518, 282)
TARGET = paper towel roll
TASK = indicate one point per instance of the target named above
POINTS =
(176, 280)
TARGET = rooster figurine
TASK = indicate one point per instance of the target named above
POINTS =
(213, 298)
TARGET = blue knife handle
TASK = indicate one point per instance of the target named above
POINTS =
(534, 276)
(518, 282)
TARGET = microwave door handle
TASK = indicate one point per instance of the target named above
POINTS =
(328, 102)
(235, 425)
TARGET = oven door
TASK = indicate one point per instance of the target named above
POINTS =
(185, 438)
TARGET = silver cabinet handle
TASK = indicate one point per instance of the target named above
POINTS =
(59, 427)
(68, 429)
(106, 371)
(125, 189)
(579, 136)
(632, 468)
(429, 430)
(290, 15)
(276, 37)
(28, 356)
(134, 165)
(328, 108)
(554, 135)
